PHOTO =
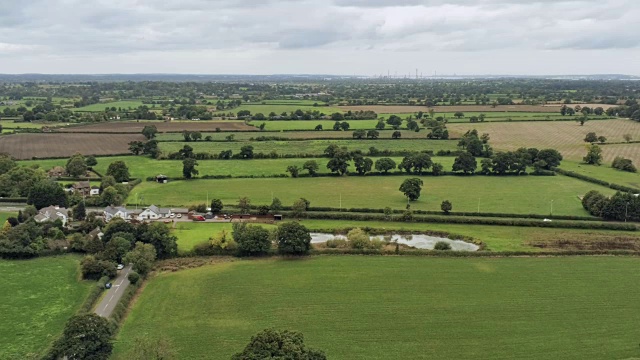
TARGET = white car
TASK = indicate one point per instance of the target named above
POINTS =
(120, 267)
(172, 216)
(179, 216)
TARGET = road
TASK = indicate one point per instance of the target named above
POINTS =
(111, 299)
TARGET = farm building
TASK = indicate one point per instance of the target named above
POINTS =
(57, 171)
(82, 187)
(162, 179)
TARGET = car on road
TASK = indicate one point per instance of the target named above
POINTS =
(107, 286)
(120, 267)
(198, 218)
(172, 216)
(179, 216)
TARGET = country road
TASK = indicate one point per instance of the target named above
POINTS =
(111, 299)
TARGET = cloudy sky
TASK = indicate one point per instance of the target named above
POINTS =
(364, 37)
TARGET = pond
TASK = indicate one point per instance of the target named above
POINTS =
(418, 241)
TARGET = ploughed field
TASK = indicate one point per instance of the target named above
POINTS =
(37, 298)
(173, 126)
(27, 146)
(489, 194)
(356, 307)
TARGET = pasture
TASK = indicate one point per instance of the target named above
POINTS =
(488, 194)
(279, 107)
(566, 137)
(315, 147)
(309, 134)
(604, 172)
(173, 126)
(427, 308)
(400, 109)
(281, 125)
(125, 105)
(37, 298)
(144, 167)
(48, 145)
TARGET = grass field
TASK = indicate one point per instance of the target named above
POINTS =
(191, 234)
(305, 134)
(37, 298)
(604, 172)
(143, 167)
(521, 195)
(126, 105)
(566, 137)
(315, 147)
(355, 307)
(281, 106)
(278, 125)
(10, 124)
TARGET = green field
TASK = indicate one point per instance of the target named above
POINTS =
(521, 195)
(355, 307)
(125, 105)
(190, 234)
(143, 167)
(278, 125)
(308, 134)
(603, 172)
(37, 298)
(313, 146)
(10, 124)
(280, 106)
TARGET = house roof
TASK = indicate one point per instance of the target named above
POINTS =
(115, 209)
(82, 185)
(57, 169)
(51, 213)
(159, 210)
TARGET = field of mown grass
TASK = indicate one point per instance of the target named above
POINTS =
(315, 147)
(143, 167)
(37, 298)
(308, 134)
(278, 125)
(520, 195)
(356, 307)
(133, 104)
(566, 137)
(604, 172)
(279, 107)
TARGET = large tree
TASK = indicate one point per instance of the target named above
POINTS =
(311, 166)
(76, 166)
(46, 193)
(189, 168)
(119, 171)
(159, 235)
(251, 239)
(466, 163)
(149, 131)
(293, 238)
(385, 164)
(85, 336)
(594, 155)
(274, 344)
(411, 188)
(142, 257)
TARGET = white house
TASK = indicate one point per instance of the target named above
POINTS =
(52, 213)
(95, 191)
(154, 213)
(111, 212)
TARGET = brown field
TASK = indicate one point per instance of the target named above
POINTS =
(27, 146)
(566, 137)
(400, 109)
(174, 126)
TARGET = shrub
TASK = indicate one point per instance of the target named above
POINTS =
(133, 277)
(251, 239)
(441, 245)
(337, 244)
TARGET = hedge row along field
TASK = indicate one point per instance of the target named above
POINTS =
(436, 308)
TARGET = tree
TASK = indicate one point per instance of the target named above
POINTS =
(189, 168)
(91, 161)
(80, 212)
(197, 135)
(76, 166)
(627, 137)
(251, 239)
(294, 170)
(551, 157)
(446, 206)
(318, 127)
(336, 126)
(46, 193)
(359, 134)
(274, 344)
(623, 164)
(363, 165)
(395, 121)
(186, 135)
(149, 131)
(244, 204)
(344, 126)
(466, 163)
(311, 166)
(293, 238)
(159, 235)
(216, 206)
(86, 336)
(385, 164)
(411, 188)
(136, 147)
(602, 139)
(246, 152)
(396, 135)
(299, 208)
(594, 155)
(151, 149)
(413, 125)
(186, 152)
(116, 248)
(119, 171)
(276, 205)
(591, 137)
(6, 163)
(380, 125)
(372, 134)
(142, 257)
(340, 161)
(458, 114)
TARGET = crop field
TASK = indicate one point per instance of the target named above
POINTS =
(392, 109)
(144, 167)
(281, 107)
(174, 126)
(346, 135)
(566, 137)
(37, 298)
(279, 125)
(126, 105)
(27, 146)
(435, 308)
(519, 195)
(315, 147)
(604, 172)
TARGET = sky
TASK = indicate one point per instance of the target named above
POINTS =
(342, 37)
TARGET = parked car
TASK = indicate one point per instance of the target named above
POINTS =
(209, 215)
(120, 267)
(198, 218)
(179, 216)
(172, 216)
(107, 286)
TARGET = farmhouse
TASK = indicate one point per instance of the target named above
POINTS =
(95, 191)
(111, 212)
(82, 187)
(153, 213)
(52, 213)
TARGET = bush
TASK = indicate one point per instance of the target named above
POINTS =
(133, 277)
(441, 245)
(337, 244)
(293, 238)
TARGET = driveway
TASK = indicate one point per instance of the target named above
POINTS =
(111, 299)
